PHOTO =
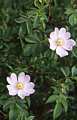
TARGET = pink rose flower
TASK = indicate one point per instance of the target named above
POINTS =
(61, 42)
(20, 86)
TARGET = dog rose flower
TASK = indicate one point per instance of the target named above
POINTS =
(20, 86)
(61, 42)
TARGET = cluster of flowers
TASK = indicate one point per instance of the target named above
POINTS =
(60, 40)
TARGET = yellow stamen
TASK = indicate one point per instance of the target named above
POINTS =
(59, 42)
(19, 85)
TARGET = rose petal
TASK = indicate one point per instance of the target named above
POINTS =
(12, 79)
(52, 44)
(54, 35)
(21, 77)
(12, 90)
(62, 30)
(27, 78)
(68, 35)
(61, 52)
(31, 91)
(63, 34)
(28, 88)
(69, 44)
(22, 94)
(30, 85)
(73, 43)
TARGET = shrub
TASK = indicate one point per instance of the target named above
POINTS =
(27, 29)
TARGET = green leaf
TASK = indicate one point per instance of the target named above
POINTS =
(36, 3)
(31, 40)
(29, 49)
(74, 71)
(73, 19)
(36, 22)
(69, 11)
(31, 118)
(63, 100)
(65, 71)
(29, 27)
(20, 20)
(57, 110)
(12, 113)
(52, 98)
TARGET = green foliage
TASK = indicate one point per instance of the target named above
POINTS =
(57, 110)
(24, 31)
(52, 98)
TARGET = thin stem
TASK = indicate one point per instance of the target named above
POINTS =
(49, 17)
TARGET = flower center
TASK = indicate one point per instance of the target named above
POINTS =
(59, 42)
(19, 85)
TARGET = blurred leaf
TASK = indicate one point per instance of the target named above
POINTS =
(31, 118)
(11, 113)
(74, 71)
(52, 98)
(20, 20)
(69, 11)
(57, 110)
(73, 19)
(65, 71)
(63, 100)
